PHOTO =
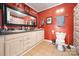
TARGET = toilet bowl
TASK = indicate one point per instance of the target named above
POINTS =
(60, 40)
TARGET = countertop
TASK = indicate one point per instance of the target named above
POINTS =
(17, 31)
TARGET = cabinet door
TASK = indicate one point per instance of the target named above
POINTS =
(35, 37)
(1, 45)
(20, 45)
(32, 38)
(14, 47)
(26, 42)
(40, 35)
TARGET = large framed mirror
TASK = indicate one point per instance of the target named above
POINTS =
(18, 18)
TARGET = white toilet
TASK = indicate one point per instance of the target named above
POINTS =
(60, 40)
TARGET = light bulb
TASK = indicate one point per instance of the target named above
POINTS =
(62, 10)
(57, 11)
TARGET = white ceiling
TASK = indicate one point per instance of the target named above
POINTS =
(42, 6)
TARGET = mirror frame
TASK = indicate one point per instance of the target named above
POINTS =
(5, 16)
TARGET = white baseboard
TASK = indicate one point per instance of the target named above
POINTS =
(49, 41)
(72, 46)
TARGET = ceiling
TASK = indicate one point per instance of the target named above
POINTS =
(42, 6)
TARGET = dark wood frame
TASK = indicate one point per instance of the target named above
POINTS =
(50, 20)
(4, 8)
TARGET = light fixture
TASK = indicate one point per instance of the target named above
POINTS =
(57, 11)
(60, 10)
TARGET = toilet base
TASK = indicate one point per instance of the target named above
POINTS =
(68, 47)
(60, 47)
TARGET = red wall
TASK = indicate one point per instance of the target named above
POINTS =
(68, 28)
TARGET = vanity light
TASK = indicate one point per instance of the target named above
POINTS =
(60, 10)
(57, 11)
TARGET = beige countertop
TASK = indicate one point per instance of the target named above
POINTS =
(18, 31)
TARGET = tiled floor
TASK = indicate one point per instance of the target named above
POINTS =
(47, 49)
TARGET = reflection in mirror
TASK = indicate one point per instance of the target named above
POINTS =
(16, 17)
(60, 21)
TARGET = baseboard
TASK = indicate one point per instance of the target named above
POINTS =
(31, 48)
(72, 46)
(49, 41)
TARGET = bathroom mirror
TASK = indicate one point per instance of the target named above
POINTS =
(60, 21)
(14, 17)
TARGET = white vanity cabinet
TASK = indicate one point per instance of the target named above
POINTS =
(40, 35)
(27, 42)
(14, 47)
(1, 45)
(33, 37)
(16, 44)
